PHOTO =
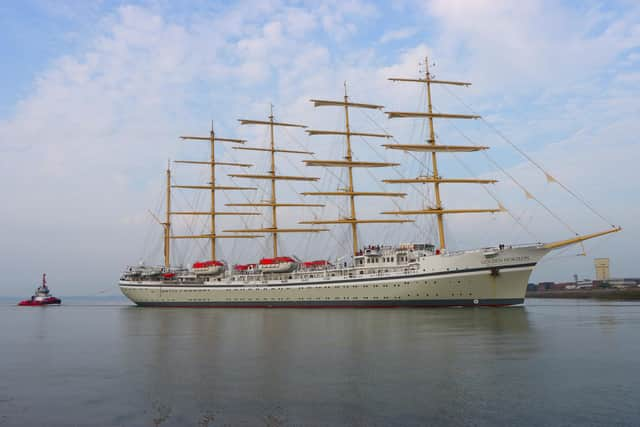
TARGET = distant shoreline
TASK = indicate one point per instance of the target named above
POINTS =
(612, 294)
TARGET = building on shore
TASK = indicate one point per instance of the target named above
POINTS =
(602, 269)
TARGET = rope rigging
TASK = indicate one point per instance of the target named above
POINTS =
(550, 178)
(527, 193)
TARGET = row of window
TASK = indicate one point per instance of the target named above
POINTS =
(345, 298)
(426, 282)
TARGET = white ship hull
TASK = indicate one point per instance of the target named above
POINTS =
(470, 278)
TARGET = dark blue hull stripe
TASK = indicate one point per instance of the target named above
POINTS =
(341, 304)
(350, 280)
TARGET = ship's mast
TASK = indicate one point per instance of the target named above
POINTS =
(434, 148)
(272, 171)
(349, 163)
(212, 188)
(349, 158)
(434, 161)
(273, 177)
(167, 223)
(213, 193)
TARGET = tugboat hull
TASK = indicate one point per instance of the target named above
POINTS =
(34, 303)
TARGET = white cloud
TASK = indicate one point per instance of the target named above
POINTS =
(85, 151)
(399, 34)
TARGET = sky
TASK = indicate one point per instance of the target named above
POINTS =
(93, 97)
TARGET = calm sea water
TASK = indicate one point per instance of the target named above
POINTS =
(106, 363)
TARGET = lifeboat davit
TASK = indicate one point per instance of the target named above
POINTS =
(283, 264)
(208, 267)
(41, 297)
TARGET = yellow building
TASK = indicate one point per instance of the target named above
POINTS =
(602, 268)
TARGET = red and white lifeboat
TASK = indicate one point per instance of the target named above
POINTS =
(314, 265)
(208, 267)
(282, 264)
(245, 268)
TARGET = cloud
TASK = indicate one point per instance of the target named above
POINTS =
(399, 34)
(527, 45)
(85, 151)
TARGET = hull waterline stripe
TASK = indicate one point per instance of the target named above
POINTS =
(340, 304)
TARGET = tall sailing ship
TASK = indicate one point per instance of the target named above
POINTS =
(375, 275)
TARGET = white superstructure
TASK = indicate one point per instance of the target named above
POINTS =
(384, 277)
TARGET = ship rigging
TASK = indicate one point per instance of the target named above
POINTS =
(379, 275)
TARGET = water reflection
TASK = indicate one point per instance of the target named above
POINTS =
(250, 364)
(548, 363)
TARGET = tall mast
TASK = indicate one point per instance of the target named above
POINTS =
(434, 148)
(213, 192)
(434, 161)
(272, 171)
(272, 175)
(167, 222)
(349, 163)
(166, 225)
(212, 188)
(349, 158)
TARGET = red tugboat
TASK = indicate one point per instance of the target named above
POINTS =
(41, 296)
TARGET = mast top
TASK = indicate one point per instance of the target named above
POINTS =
(429, 78)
